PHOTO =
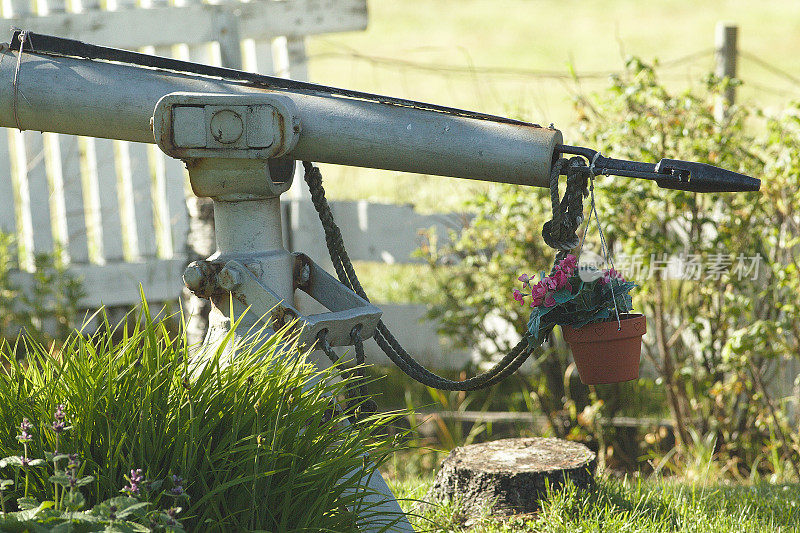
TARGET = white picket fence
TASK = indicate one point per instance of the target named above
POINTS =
(115, 211)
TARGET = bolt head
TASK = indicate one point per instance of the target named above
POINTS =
(194, 276)
(229, 279)
(227, 126)
(305, 274)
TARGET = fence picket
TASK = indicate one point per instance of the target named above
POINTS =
(149, 199)
(58, 208)
(21, 195)
(35, 174)
(75, 218)
(109, 206)
(7, 222)
(91, 200)
(125, 201)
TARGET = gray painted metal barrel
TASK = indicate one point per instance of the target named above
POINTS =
(116, 101)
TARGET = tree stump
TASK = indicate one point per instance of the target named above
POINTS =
(509, 476)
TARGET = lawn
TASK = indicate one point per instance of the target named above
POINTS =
(631, 506)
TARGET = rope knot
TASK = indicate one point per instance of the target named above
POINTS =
(560, 233)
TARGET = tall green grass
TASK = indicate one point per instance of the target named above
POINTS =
(256, 438)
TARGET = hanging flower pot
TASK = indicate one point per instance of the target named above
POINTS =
(587, 303)
(609, 351)
(593, 307)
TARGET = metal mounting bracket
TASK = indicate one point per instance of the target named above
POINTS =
(233, 145)
(347, 310)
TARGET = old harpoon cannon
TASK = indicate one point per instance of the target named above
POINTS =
(240, 135)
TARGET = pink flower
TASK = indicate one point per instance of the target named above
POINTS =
(549, 301)
(550, 283)
(536, 302)
(518, 296)
(610, 274)
(562, 280)
(538, 291)
(568, 264)
(524, 278)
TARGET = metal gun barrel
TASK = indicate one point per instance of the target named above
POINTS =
(116, 100)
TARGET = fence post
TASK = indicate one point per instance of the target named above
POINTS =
(726, 55)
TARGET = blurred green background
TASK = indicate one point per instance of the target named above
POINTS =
(528, 58)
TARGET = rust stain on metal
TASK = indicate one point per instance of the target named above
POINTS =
(281, 132)
(301, 275)
(281, 315)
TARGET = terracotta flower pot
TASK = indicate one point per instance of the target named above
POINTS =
(604, 354)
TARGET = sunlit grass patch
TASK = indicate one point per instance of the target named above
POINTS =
(631, 506)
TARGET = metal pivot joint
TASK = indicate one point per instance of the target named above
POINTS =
(233, 147)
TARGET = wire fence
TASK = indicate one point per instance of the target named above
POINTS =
(668, 69)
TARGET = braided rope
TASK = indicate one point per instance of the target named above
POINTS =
(386, 341)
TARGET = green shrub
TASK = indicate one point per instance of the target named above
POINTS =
(46, 307)
(713, 343)
(256, 440)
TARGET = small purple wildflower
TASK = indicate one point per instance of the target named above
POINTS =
(74, 462)
(134, 480)
(59, 425)
(25, 431)
(177, 489)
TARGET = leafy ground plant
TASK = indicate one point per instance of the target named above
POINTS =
(257, 439)
(722, 336)
(46, 305)
(64, 512)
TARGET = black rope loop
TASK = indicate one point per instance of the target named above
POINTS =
(325, 346)
(561, 232)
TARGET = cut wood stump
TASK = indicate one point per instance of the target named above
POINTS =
(510, 476)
